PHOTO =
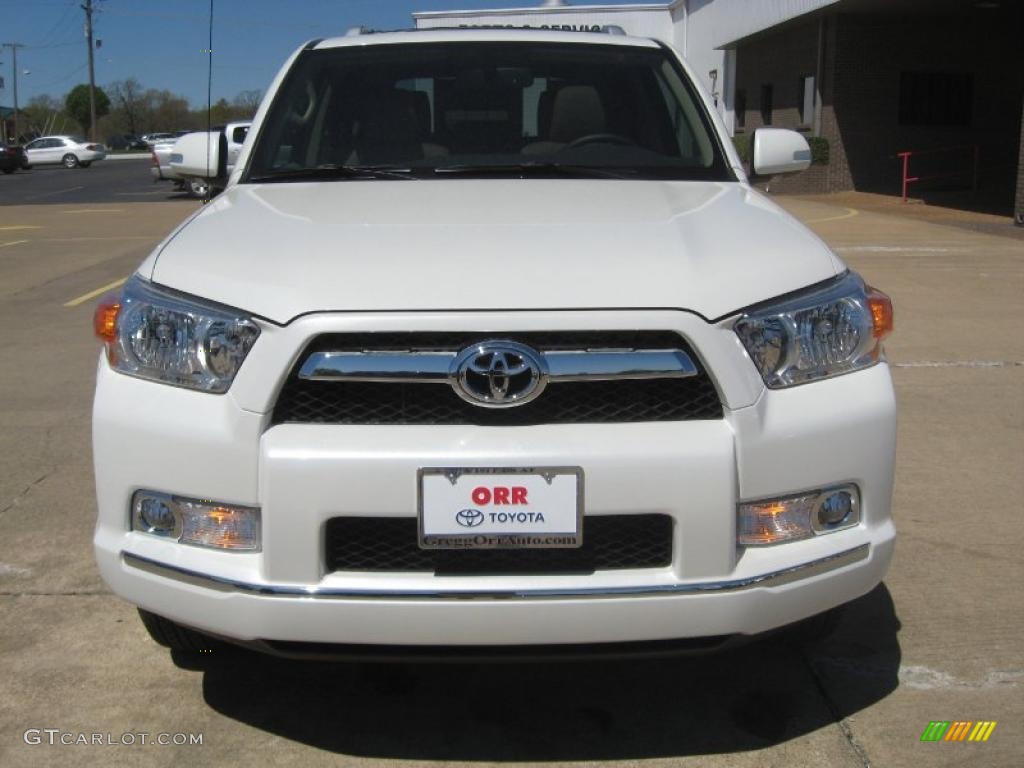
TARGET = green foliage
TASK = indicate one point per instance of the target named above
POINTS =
(742, 143)
(819, 148)
(76, 104)
(45, 115)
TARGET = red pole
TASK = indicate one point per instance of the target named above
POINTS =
(906, 168)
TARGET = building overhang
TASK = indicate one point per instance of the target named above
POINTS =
(546, 11)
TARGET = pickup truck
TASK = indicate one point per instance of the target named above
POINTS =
(204, 161)
(491, 345)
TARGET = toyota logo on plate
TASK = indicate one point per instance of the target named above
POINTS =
(469, 518)
(498, 374)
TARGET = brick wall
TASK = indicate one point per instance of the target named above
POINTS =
(782, 59)
(870, 54)
(1019, 212)
(864, 56)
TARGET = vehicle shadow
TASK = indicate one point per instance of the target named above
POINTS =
(753, 696)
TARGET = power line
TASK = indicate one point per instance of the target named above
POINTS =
(51, 33)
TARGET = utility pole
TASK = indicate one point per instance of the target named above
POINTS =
(92, 76)
(14, 80)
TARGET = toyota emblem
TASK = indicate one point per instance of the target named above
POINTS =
(498, 374)
(469, 518)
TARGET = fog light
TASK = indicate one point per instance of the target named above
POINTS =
(201, 523)
(774, 521)
(835, 508)
(156, 515)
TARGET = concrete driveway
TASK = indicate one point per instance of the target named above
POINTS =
(940, 640)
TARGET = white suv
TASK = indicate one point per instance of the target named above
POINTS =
(489, 342)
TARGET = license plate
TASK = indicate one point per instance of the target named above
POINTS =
(500, 508)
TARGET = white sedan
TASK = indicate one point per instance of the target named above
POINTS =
(69, 151)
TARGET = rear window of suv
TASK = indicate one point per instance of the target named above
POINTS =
(428, 108)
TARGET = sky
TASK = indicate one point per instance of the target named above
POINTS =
(161, 43)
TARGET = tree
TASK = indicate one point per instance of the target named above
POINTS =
(247, 102)
(166, 111)
(129, 104)
(45, 115)
(76, 104)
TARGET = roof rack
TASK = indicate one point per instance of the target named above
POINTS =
(608, 29)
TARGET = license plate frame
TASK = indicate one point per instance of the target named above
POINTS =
(488, 537)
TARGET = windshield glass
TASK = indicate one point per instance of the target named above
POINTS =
(445, 109)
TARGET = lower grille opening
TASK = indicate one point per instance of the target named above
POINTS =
(610, 542)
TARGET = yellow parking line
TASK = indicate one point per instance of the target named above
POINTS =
(13, 242)
(94, 294)
(98, 210)
(850, 213)
(11, 227)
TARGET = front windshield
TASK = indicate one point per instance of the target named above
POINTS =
(435, 109)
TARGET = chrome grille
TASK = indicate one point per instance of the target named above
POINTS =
(401, 402)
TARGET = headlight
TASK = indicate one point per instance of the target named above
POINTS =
(157, 334)
(827, 331)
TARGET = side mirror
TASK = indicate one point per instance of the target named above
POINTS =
(779, 150)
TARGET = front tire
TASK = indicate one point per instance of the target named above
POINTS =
(174, 636)
(8, 170)
(69, 161)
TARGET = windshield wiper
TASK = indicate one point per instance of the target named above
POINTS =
(329, 172)
(536, 169)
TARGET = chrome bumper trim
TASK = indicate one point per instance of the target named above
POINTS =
(774, 579)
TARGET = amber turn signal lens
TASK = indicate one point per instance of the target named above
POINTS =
(104, 320)
(881, 313)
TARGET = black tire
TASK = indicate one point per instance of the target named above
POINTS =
(198, 188)
(85, 163)
(69, 161)
(174, 636)
(8, 170)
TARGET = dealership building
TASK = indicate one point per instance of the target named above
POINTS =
(865, 80)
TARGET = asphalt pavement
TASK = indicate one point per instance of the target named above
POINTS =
(939, 640)
(114, 180)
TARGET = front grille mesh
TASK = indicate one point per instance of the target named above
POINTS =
(610, 542)
(600, 402)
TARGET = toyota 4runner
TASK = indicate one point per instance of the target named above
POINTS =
(490, 342)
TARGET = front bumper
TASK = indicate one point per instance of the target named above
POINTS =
(770, 443)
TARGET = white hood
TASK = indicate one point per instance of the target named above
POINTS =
(281, 250)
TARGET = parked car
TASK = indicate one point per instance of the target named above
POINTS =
(490, 342)
(126, 141)
(205, 174)
(12, 157)
(69, 151)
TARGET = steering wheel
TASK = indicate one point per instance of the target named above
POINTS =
(601, 138)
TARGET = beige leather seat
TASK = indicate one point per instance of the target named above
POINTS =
(577, 111)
